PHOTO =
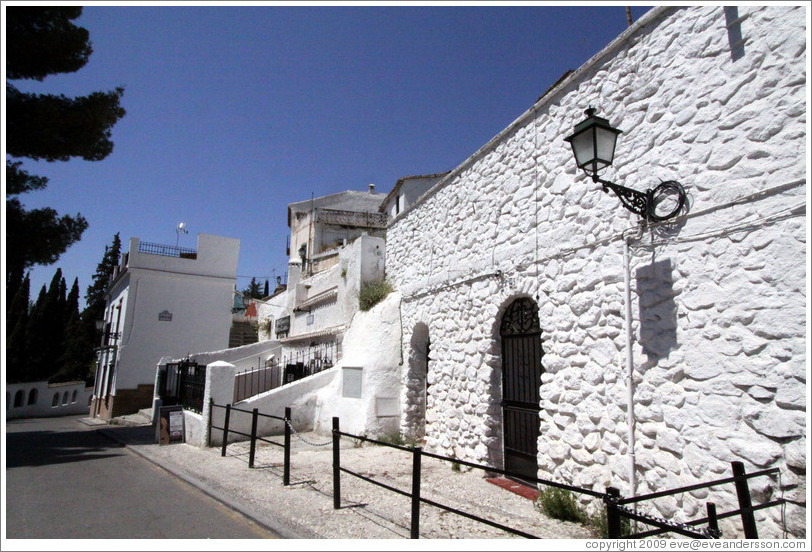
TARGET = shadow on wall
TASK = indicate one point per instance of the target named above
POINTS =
(658, 311)
(734, 32)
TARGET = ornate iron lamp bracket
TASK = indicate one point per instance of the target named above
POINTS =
(645, 203)
(634, 201)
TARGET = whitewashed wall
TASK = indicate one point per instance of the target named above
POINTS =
(719, 309)
(371, 345)
(39, 399)
(198, 293)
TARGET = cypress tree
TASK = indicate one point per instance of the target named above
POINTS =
(16, 323)
(77, 358)
(35, 329)
(96, 295)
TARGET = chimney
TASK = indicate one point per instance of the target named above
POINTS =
(372, 188)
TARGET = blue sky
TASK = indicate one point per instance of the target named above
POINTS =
(234, 112)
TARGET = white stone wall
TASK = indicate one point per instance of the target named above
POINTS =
(718, 305)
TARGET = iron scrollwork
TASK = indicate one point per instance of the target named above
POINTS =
(646, 204)
(521, 317)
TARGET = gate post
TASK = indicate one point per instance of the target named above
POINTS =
(417, 454)
(745, 505)
(336, 466)
(253, 449)
(286, 472)
(208, 426)
(225, 429)
(612, 514)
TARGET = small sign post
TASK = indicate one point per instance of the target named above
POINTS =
(172, 429)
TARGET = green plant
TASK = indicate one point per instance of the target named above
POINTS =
(398, 439)
(600, 528)
(561, 504)
(373, 293)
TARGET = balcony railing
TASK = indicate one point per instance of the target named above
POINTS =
(166, 250)
(352, 218)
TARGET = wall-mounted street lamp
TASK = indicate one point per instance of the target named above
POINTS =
(593, 143)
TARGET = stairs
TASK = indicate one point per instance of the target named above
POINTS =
(141, 418)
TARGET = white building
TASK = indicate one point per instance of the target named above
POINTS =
(547, 329)
(336, 246)
(406, 191)
(317, 353)
(163, 301)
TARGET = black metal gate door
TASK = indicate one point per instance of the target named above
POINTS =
(183, 383)
(521, 379)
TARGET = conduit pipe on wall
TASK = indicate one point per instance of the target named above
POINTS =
(629, 366)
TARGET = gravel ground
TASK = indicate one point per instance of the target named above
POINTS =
(305, 508)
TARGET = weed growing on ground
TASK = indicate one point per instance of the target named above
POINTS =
(560, 504)
(398, 439)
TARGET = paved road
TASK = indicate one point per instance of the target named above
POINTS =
(67, 480)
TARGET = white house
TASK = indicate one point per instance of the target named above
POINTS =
(550, 330)
(336, 246)
(163, 301)
(406, 191)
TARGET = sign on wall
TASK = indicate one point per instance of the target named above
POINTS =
(171, 425)
(351, 382)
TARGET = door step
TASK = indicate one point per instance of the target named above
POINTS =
(515, 487)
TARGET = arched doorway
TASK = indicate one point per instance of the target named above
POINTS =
(521, 378)
(417, 382)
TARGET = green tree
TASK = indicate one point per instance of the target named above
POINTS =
(45, 335)
(43, 41)
(35, 329)
(75, 362)
(253, 290)
(16, 322)
(96, 294)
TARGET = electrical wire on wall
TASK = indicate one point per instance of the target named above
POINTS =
(564, 253)
(538, 186)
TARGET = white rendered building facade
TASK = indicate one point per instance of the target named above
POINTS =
(163, 301)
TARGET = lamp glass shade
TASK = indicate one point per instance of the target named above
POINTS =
(593, 143)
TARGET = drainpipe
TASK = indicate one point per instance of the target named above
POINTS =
(629, 365)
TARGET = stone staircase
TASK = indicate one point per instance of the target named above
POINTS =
(141, 418)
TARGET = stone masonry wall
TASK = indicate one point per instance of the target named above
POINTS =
(719, 309)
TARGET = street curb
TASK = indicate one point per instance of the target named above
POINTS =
(283, 529)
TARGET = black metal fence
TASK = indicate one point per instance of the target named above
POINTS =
(166, 250)
(183, 383)
(615, 504)
(311, 360)
(249, 383)
(255, 414)
(417, 500)
(616, 509)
